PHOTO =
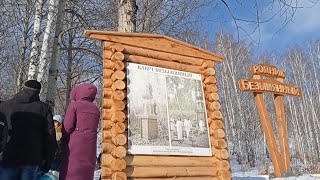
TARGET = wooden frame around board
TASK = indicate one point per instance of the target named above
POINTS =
(159, 51)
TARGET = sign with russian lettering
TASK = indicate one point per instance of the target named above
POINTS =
(272, 83)
(268, 85)
(267, 70)
(166, 112)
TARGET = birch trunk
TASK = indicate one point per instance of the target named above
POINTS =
(314, 50)
(127, 12)
(55, 56)
(22, 54)
(46, 39)
(70, 59)
(22, 58)
(236, 117)
(33, 63)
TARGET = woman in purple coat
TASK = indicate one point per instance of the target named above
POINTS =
(79, 135)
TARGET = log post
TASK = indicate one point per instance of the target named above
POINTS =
(163, 56)
(216, 127)
(282, 130)
(170, 161)
(141, 172)
(114, 104)
(179, 178)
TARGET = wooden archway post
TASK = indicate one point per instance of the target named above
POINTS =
(280, 160)
(282, 130)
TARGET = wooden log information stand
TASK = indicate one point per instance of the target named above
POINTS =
(163, 52)
(273, 82)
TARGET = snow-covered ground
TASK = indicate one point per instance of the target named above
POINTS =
(253, 176)
(99, 140)
(97, 175)
(239, 173)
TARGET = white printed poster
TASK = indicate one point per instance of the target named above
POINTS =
(166, 112)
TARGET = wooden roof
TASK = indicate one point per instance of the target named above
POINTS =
(154, 42)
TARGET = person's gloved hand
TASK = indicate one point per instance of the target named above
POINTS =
(45, 167)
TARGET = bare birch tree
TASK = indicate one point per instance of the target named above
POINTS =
(33, 62)
(45, 43)
(21, 17)
(127, 12)
(55, 55)
(302, 67)
(240, 118)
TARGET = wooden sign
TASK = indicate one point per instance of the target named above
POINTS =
(269, 85)
(280, 160)
(164, 55)
(267, 70)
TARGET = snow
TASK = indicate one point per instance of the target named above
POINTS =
(243, 172)
(250, 175)
(99, 149)
(253, 176)
(97, 174)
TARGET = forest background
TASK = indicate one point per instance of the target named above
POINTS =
(43, 40)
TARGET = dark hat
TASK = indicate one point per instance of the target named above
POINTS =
(32, 85)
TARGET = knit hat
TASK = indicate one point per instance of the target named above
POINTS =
(32, 85)
(58, 118)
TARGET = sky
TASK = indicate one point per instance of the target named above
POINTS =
(271, 35)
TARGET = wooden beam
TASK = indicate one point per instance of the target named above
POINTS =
(154, 42)
(207, 64)
(169, 161)
(212, 96)
(269, 85)
(158, 55)
(119, 176)
(282, 131)
(152, 172)
(163, 64)
(269, 133)
(224, 175)
(179, 178)
(113, 163)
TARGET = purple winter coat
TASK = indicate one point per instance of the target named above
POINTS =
(79, 135)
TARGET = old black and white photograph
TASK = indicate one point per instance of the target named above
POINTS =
(147, 109)
(166, 112)
(187, 114)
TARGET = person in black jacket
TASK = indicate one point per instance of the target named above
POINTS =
(28, 135)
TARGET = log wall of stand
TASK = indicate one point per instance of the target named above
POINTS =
(164, 52)
(216, 127)
(114, 126)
